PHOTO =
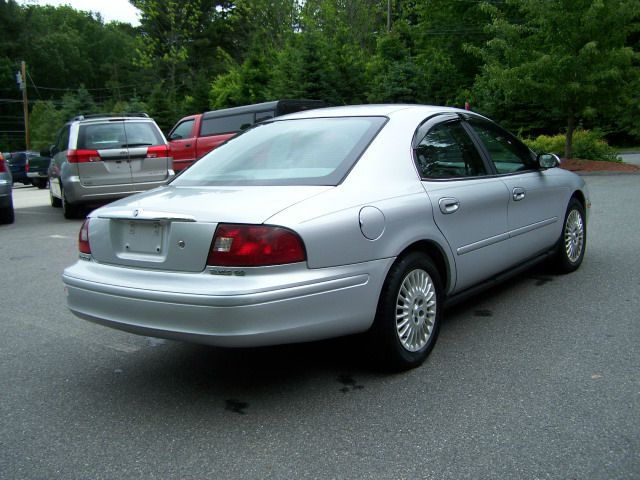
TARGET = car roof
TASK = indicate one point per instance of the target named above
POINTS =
(385, 110)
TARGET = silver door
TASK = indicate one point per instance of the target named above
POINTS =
(470, 207)
(536, 197)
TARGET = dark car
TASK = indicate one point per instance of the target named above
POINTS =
(37, 168)
(6, 199)
(17, 163)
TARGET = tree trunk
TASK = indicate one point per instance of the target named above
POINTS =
(571, 126)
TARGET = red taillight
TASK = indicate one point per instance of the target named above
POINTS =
(254, 246)
(3, 166)
(158, 151)
(83, 238)
(83, 156)
(26, 166)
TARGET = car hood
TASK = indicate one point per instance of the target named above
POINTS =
(244, 204)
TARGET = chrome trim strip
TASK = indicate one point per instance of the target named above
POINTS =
(149, 215)
(482, 243)
(505, 236)
(533, 226)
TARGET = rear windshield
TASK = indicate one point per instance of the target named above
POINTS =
(314, 151)
(118, 134)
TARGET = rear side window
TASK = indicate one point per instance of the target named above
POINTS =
(63, 140)
(118, 134)
(228, 124)
(446, 151)
(314, 151)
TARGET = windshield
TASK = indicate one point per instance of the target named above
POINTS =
(311, 151)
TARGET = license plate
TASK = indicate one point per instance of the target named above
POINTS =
(142, 237)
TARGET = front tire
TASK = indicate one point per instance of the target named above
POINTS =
(573, 240)
(409, 311)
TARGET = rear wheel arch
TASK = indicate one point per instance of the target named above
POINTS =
(437, 255)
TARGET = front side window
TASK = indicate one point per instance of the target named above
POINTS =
(446, 151)
(183, 130)
(314, 151)
(507, 154)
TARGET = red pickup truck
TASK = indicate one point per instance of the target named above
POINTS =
(196, 135)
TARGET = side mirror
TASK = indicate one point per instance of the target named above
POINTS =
(548, 160)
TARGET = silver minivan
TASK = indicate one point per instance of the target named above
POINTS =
(100, 158)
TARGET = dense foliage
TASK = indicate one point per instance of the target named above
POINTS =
(539, 67)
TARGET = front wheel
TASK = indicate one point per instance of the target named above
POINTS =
(573, 240)
(409, 311)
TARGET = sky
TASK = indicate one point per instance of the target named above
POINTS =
(120, 10)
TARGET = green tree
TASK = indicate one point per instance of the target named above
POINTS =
(565, 58)
(44, 123)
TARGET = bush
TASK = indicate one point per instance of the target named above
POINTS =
(587, 144)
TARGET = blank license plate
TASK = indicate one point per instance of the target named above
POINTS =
(142, 237)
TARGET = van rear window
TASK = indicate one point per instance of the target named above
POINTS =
(118, 134)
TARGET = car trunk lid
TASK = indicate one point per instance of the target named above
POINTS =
(171, 228)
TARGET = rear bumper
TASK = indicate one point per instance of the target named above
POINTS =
(31, 174)
(77, 193)
(287, 305)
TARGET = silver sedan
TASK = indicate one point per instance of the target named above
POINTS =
(327, 223)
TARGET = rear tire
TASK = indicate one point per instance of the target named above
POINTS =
(7, 215)
(573, 239)
(69, 210)
(409, 311)
(39, 183)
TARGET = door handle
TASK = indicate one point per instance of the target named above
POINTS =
(187, 145)
(449, 205)
(518, 194)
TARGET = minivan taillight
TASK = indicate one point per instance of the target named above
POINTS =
(83, 238)
(3, 166)
(83, 156)
(158, 151)
(255, 246)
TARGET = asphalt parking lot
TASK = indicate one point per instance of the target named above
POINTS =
(536, 379)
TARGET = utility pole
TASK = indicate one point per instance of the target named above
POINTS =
(21, 77)
(388, 16)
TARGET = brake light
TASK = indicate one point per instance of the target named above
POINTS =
(83, 156)
(158, 151)
(3, 166)
(83, 238)
(254, 246)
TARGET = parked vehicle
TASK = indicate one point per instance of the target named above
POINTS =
(196, 135)
(327, 223)
(37, 168)
(100, 158)
(6, 198)
(17, 163)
